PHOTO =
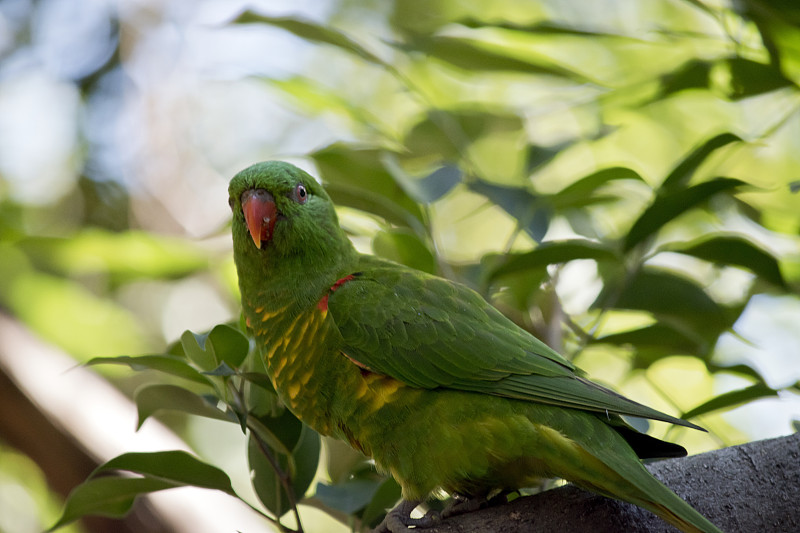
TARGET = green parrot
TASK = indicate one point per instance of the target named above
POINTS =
(422, 374)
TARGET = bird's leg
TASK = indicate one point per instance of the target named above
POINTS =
(399, 518)
(461, 504)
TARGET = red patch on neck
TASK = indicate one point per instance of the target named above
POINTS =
(323, 303)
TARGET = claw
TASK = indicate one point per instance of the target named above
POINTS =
(399, 519)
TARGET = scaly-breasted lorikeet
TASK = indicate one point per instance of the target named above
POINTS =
(421, 373)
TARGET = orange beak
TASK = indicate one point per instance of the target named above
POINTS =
(260, 214)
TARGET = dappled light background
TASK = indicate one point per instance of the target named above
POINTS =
(121, 123)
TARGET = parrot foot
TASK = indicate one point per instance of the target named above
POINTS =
(461, 504)
(399, 519)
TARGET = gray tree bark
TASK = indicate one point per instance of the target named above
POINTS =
(754, 487)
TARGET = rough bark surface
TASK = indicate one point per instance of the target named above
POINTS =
(752, 487)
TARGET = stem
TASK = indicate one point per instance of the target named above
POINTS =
(283, 477)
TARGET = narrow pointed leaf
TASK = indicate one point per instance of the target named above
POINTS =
(683, 172)
(153, 398)
(587, 185)
(311, 31)
(177, 467)
(107, 496)
(669, 206)
(732, 399)
(661, 337)
(554, 252)
(169, 364)
(733, 250)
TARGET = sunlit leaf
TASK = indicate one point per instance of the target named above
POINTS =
(668, 296)
(658, 340)
(734, 250)
(447, 134)
(683, 172)
(589, 184)
(732, 399)
(311, 31)
(107, 496)
(476, 55)
(176, 467)
(153, 398)
(553, 252)
(669, 206)
(123, 255)
(169, 364)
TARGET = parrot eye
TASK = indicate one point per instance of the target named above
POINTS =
(300, 194)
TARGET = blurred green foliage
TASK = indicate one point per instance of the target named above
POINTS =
(645, 157)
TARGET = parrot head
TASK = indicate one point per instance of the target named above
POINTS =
(280, 212)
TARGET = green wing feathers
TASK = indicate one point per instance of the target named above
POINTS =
(432, 333)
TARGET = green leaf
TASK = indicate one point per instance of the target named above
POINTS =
(668, 296)
(447, 134)
(107, 496)
(656, 342)
(668, 206)
(300, 464)
(259, 379)
(222, 370)
(694, 74)
(349, 496)
(280, 432)
(683, 172)
(194, 346)
(749, 78)
(403, 246)
(428, 189)
(358, 176)
(553, 252)
(169, 364)
(311, 31)
(387, 495)
(229, 344)
(474, 55)
(734, 250)
(176, 467)
(732, 399)
(153, 398)
(589, 184)
(531, 213)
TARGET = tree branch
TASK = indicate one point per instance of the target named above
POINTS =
(752, 487)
